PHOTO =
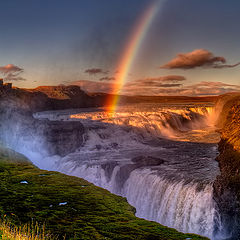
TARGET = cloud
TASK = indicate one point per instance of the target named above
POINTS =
(197, 58)
(199, 89)
(204, 88)
(168, 85)
(162, 81)
(10, 68)
(168, 78)
(215, 85)
(11, 72)
(107, 79)
(94, 71)
(14, 77)
(93, 86)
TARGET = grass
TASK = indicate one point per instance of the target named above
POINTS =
(69, 207)
(32, 231)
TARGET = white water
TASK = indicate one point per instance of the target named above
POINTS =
(176, 193)
(172, 203)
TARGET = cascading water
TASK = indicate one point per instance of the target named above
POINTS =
(161, 158)
(179, 204)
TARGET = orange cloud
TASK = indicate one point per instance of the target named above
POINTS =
(198, 89)
(203, 88)
(197, 58)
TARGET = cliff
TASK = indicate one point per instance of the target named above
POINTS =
(50, 98)
(19, 130)
(227, 185)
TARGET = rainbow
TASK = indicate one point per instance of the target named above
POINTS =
(129, 54)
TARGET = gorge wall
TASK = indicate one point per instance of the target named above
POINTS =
(227, 185)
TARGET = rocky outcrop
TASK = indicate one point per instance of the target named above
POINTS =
(65, 97)
(227, 185)
(19, 130)
(50, 98)
(62, 137)
(125, 170)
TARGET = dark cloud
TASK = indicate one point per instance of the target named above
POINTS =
(162, 81)
(94, 71)
(107, 79)
(168, 85)
(14, 77)
(11, 72)
(197, 58)
(168, 78)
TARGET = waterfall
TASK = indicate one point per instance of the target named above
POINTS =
(186, 207)
(152, 156)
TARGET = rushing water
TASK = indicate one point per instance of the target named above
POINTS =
(162, 158)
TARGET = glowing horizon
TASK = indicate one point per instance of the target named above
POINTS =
(130, 52)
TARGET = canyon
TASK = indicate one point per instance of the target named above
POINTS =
(162, 161)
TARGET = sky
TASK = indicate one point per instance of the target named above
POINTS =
(190, 47)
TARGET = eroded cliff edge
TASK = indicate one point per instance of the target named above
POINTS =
(227, 184)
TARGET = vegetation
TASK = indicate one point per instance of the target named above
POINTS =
(32, 231)
(69, 207)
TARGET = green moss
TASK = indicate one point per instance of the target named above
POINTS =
(87, 211)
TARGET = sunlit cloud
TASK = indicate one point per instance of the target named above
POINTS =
(145, 88)
(11, 72)
(198, 58)
(198, 89)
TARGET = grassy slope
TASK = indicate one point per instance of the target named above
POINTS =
(90, 212)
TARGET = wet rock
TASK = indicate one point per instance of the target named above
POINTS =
(143, 161)
(63, 138)
(108, 168)
(98, 147)
(138, 162)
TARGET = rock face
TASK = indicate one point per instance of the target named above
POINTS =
(50, 98)
(125, 170)
(65, 97)
(227, 185)
(18, 128)
(63, 137)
